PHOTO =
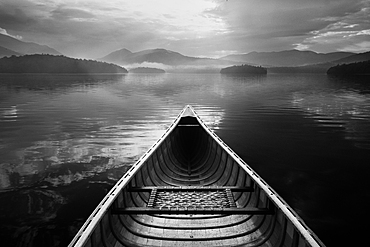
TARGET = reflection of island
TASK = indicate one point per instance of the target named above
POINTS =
(146, 70)
(360, 68)
(244, 69)
(55, 64)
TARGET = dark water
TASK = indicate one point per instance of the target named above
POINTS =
(66, 139)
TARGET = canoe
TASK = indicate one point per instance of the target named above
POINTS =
(191, 189)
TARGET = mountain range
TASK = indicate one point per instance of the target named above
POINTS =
(361, 57)
(287, 58)
(160, 56)
(164, 59)
(320, 67)
(124, 57)
(10, 46)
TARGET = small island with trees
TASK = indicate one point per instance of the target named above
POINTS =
(359, 68)
(244, 69)
(44, 63)
(146, 70)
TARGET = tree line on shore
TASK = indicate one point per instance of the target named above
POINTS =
(44, 63)
(362, 68)
(244, 69)
(351, 69)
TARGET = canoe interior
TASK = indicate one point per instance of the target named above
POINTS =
(192, 190)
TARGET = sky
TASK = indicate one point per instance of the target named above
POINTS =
(201, 28)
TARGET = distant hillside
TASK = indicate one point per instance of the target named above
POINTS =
(4, 52)
(243, 69)
(162, 56)
(25, 47)
(117, 56)
(321, 68)
(361, 57)
(287, 58)
(55, 64)
(146, 70)
(359, 68)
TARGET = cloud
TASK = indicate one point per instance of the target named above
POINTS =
(18, 15)
(274, 25)
(4, 32)
(72, 14)
(94, 28)
(347, 32)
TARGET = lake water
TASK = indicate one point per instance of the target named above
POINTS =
(66, 139)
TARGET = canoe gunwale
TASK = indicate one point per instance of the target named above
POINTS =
(297, 221)
(95, 217)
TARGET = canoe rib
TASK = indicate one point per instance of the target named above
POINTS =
(191, 189)
(212, 211)
(195, 188)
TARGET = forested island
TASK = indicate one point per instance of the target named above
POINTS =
(146, 70)
(244, 69)
(359, 68)
(43, 63)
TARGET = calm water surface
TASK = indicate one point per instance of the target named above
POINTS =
(66, 139)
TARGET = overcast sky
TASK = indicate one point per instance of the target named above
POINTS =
(211, 28)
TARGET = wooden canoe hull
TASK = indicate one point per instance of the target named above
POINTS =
(191, 189)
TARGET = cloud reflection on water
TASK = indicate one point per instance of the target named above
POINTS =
(348, 111)
(64, 158)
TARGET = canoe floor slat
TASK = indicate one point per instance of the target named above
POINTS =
(198, 197)
(193, 199)
(148, 210)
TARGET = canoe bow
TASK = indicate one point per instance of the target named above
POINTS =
(191, 189)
